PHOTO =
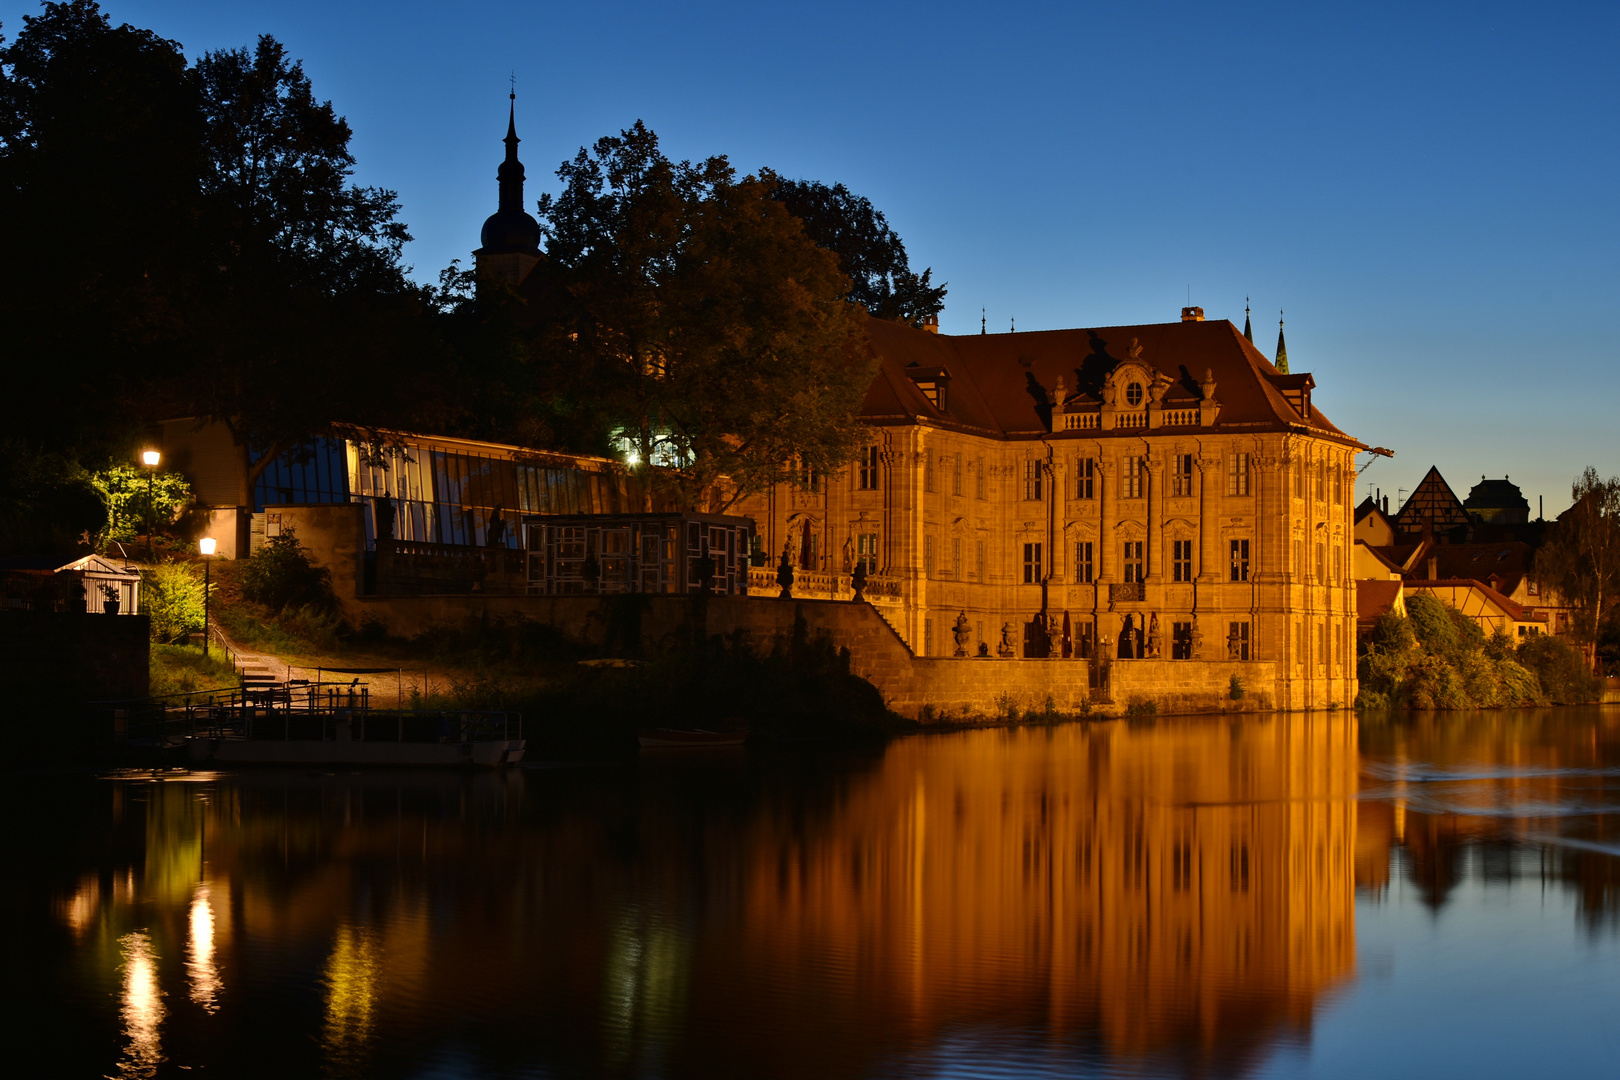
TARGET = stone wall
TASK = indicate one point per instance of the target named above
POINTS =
(56, 659)
(946, 686)
(336, 539)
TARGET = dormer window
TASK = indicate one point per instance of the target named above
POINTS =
(1133, 394)
(934, 392)
(933, 382)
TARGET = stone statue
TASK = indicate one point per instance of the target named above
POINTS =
(857, 581)
(1127, 639)
(1153, 637)
(849, 554)
(1006, 648)
(962, 633)
(1232, 644)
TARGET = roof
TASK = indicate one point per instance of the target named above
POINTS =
(1500, 566)
(56, 564)
(1512, 610)
(1500, 494)
(1373, 598)
(1432, 501)
(1001, 384)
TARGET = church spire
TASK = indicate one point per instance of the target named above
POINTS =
(1282, 347)
(1247, 332)
(510, 241)
(510, 174)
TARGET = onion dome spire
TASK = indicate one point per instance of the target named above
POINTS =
(1282, 347)
(510, 230)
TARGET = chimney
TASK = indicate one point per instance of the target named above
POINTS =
(1192, 314)
(930, 323)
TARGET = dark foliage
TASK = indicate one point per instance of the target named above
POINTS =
(1560, 669)
(280, 575)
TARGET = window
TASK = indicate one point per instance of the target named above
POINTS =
(866, 477)
(1321, 481)
(1321, 646)
(928, 471)
(1240, 560)
(978, 478)
(928, 637)
(1338, 484)
(866, 551)
(1237, 474)
(956, 476)
(1131, 484)
(1181, 560)
(1299, 645)
(1085, 478)
(1085, 640)
(1133, 561)
(1032, 480)
(1133, 394)
(1321, 562)
(1181, 641)
(956, 557)
(1299, 557)
(1237, 641)
(928, 556)
(1181, 475)
(978, 558)
(1299, 479)
(1083, 570)
(1032, 564)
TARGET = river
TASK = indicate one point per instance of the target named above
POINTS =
(1276, 896)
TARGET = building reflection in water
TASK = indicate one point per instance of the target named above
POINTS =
(141, 1007)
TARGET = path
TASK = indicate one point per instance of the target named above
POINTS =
(387, 689)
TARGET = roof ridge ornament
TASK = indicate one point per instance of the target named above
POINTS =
(1282, 345)
(1247, 332)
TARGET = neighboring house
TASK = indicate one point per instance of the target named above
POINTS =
(1497, 502)
(1432, 506)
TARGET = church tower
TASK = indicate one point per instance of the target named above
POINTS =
(510, 241)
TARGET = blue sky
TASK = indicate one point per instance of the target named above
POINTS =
(1428, 190)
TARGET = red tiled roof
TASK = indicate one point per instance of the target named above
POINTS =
(1001, 383)
(1374, 597)
(1514, 610)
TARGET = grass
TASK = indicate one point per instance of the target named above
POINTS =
(181, 669)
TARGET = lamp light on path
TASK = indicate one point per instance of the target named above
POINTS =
(206, 546)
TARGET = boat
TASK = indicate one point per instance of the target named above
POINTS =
(669, 738)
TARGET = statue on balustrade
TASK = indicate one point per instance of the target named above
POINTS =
(1153, 637)
(962, 633)
(1007, 648)
(784, 576)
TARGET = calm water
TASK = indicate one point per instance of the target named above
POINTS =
(1275, 897)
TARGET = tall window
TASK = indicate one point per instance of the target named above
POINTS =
(1131, 483)
(1240, 560)
(1321, 563)
(1085, 478)
(866, 477)
(928, 471)
(1133, 561)
(1299, 557)
(1181, 560)
(956, 476)
(1032, 479)
(1237, 474)
(1083, 569)
(1338, 564)
(928, 556)
(1299, 479)
(978, 558)
(978, 478)
(1237, 641)
(1338, 484)
(1032, 564)
(1181, 476)
(956, 557)
(1181, 641)
(866, 551)
(1321, 481)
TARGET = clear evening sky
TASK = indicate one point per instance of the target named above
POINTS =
(1429, 191)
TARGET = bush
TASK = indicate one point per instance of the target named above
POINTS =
(1234, 689)
(172, 596)
(1141, 706)
(280, 575)
(1432, 625)
(1559, 668)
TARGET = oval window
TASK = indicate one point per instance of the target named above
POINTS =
(1133, 394)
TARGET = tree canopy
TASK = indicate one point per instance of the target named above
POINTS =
(702, 328)
(1581, 555)
(869, 251)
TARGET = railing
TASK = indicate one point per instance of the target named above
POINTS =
(1130, 420)
(1086, 421)
(1127, 591)
(415, 566)
(1181, 417)
(823, 585)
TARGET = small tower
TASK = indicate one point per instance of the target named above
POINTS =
(1247, 332)
(510, 241)
(1282, 347)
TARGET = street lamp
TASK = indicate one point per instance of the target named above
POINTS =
(150, 459)
(206, 546)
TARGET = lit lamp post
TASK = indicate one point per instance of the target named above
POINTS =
(206, 546)
(150, 459)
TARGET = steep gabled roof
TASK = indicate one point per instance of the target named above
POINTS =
(1432, 502)
(1001, 384)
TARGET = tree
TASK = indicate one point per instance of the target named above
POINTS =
(868, 250)
(1581, 557)
(706, 333)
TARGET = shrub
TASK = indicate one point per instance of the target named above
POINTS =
(1560, 669)
(1432, 626)
(1141, 706)
(1234, 689)
(1432, 683)
(280, 574)
(172, 596)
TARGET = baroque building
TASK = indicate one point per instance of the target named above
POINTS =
(1116, 493)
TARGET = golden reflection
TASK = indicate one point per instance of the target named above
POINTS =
(351, 977)
(646, 981)
(201, 967)
(142, 1007)
(79, 910)
(1172, 887)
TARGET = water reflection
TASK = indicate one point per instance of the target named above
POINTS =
(1174, 898)
(141, 1007)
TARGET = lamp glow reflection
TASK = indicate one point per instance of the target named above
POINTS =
(142, 1009)
(200, 966)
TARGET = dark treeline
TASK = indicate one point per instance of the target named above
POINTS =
(185, 238)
